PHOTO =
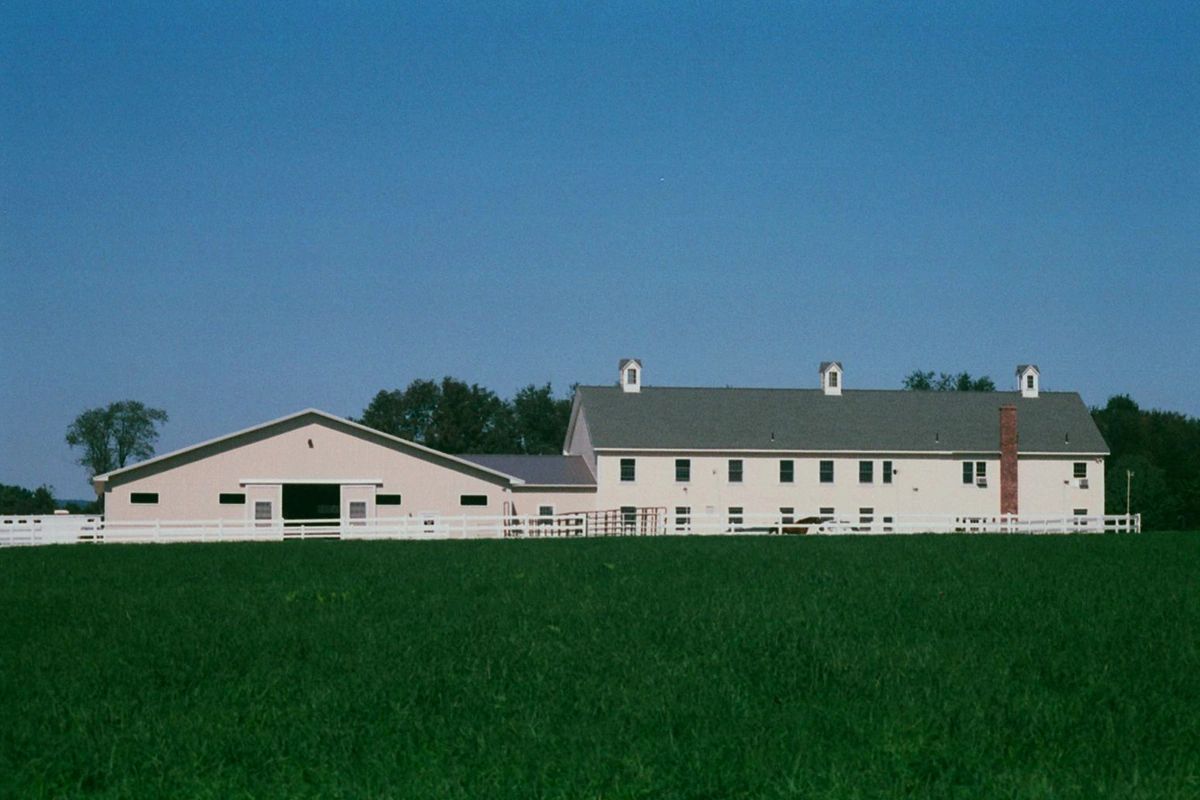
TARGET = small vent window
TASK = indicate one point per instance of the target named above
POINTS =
(473, 500)
(233, 498)
(387, 499)
(262, 510)
(143, 498)
(358, 509)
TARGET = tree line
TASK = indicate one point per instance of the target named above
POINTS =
(1155, 454)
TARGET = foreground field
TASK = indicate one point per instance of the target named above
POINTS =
(716, 668)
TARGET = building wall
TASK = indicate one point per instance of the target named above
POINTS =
(1047, 486)
(920, 485)
(190, 490)
(581, 440)
(526, 502)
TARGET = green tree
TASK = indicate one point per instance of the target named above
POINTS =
(110, 436)
(920, 381)
(19, 500)
(541, 419)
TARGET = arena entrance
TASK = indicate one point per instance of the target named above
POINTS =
(311, 502)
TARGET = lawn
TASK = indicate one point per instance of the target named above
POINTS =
(926, 666)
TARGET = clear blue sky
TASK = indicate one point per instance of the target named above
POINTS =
(234, 213)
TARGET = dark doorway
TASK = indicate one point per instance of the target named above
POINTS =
(309, 501)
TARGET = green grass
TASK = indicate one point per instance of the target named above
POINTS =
(1024, 667)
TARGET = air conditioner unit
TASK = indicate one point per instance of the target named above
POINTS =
(981, 483)
(1083, 483)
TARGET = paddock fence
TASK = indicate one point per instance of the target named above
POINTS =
(72, 529)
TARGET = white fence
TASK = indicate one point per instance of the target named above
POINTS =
(65, 529)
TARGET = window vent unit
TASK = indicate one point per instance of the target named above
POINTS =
(981, 482)
(1083, 483)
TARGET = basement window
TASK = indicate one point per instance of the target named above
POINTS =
(827, 512)
(473, 500)
(735, 515)
(233, 498)
(787, 515)
(387, 499)
(629, 517)
(143, 498)
(683, 517)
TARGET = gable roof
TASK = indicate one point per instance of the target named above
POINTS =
(539, 470)
(867, 420)
(292, 419)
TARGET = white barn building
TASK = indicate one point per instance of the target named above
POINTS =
(676, 454)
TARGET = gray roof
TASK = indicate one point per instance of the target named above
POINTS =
(808, 420)
(539, 470)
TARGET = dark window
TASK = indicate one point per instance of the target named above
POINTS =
(683, 516)
(735, 470)
(387, 499)
(147, 498)
(866, 472)
(826, 472)
(735, 515)
(358, 509)
(262, 509)
(683, 470)
(545, 511)
(887, 472)
(233, 498)
(631, 376)
(1080, 469)
(1080, 512)
(866, 515)
(827, 512)
(981, 471)
(629, 517)
(473, 500)
(1029, 380)
(628, 469)
(968, 472)
(787, 515)
(832, 378)
(787, 471)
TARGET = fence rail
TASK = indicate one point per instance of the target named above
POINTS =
(69, 529)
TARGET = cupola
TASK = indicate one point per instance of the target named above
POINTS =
(631, 375)
(831, 377)
(1028, 378)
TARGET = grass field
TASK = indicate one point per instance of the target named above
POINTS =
(1024, 667)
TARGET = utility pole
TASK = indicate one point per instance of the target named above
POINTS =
(1128, 488)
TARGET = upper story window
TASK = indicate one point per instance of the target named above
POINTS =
(683, 470)
(1029, 381)
(628, 469)
(887, 472)
(735, 470)
(1080, 469)
(631, 376)
(866, 472)
(787, 471)
(968, 471)
(826, 472)
(833, 378)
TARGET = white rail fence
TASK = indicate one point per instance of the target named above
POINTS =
(69, 529)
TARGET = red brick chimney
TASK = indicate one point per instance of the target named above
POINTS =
(1008, 460)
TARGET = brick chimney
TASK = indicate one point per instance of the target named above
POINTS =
(1008, 460)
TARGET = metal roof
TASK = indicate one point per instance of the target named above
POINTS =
(539, 470)
(873, 420)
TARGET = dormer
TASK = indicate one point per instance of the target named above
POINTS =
(831, 378)
(631, 375)
(1028, 378)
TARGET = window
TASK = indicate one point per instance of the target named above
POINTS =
(968, 472)
(629, 517)
(232, 498)
(387, 499)
(143, 498)
(832, 378)
(683, 470)
(683, 517)
(787, 515)
(628, 469)
(887, 524)
(1080, 512)
(262, 510)
(827, 512)
(630, 376)
(826, 472)
(358, 509)
(887, 472)
(981, 473)
(545, 515)
(473, 500)
(787, 471)
(866, 472)
(1029, 381)
(735, 470)
(1080, 469)
(866, 515)
(735, 515)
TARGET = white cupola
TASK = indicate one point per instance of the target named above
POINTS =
(1028, 378)
(631, 375)
(831, 377)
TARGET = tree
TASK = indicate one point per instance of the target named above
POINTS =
(110, 436)
(962, 382)
(541, 419)
(19, 500)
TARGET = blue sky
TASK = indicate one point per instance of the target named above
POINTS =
(233, 213)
